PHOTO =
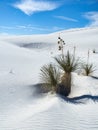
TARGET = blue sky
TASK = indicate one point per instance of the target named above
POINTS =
(46, 16)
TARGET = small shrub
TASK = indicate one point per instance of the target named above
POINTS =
(50, 76)
(88, 69)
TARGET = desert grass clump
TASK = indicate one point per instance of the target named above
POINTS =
(88, 69)
(68, 63)
(50, 77)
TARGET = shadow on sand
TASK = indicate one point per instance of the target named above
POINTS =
(80, 99)
(95, 77)
(83, 99)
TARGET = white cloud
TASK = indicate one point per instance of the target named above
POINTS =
(92, 17)
(23, 27)
(66, 18)
(30, 28)
(31, 6)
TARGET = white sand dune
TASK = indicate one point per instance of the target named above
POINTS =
(20, 60)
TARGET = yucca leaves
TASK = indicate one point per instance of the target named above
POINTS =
(50, 76)
(67, 63)
(88, 69)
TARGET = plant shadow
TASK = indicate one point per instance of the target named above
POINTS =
(83, 99)
(95, 77)
(80, 99)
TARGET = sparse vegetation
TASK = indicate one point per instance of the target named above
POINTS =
(50, 76)
(59, 82)
(88, 69)
(68, 64)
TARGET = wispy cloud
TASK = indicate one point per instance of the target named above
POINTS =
(23, 27)
(31, 6)
(47, 29)
(30, 28)
(92, 17)
(66, 18)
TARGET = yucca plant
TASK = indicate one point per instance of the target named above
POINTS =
(68, 64)
(88, 69)
(50, 76)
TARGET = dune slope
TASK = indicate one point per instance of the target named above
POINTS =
(20, 60)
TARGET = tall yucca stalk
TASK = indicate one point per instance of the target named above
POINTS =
(88, 69)
(50, 76)
(68, 64)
